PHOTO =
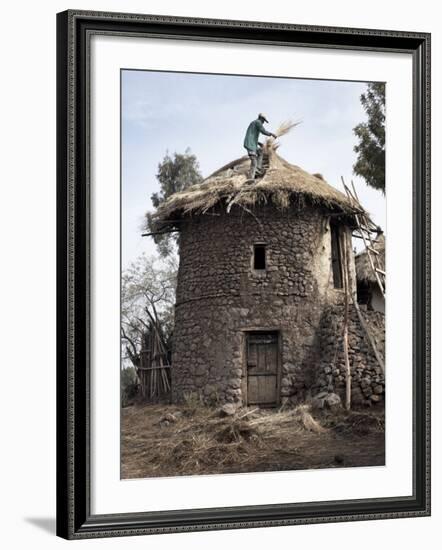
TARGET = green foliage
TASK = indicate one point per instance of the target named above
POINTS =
(129, 385)
(370, 163)
(174, 174)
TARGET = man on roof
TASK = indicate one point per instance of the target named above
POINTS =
(253, 146)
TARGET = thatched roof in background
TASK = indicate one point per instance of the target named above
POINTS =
(364, 272)
(282, 185)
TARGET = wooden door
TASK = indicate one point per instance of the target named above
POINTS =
(262, 369)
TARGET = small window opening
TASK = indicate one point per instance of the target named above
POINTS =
(259, 256)
(336, 256)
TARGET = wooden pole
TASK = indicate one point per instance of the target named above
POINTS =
(345, 338)
(363, 221)
(160, 232)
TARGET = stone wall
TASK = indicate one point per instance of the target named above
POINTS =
(368, 382)
(220, 297)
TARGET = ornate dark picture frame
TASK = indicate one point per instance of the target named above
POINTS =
(74, 518)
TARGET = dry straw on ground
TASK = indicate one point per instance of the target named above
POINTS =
(193, 439)
(214, 441)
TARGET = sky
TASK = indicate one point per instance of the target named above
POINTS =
(166, 112)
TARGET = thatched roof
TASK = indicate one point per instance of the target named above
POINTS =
(283, 185)
(364, 272)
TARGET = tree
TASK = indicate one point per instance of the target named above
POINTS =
(147, 295)
(174, 174)
(370, 162)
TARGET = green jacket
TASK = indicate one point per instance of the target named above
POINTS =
(255, 128)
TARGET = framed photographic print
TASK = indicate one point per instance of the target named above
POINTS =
(243, 274)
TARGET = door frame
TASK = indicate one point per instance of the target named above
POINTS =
(244, 384)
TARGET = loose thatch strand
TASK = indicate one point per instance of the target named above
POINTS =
(286, 127)
(282, 185)
(283, 129)
(364, 271)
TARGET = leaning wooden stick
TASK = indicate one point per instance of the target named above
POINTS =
(345, 339)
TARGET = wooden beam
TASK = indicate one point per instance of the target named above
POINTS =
(160, 232)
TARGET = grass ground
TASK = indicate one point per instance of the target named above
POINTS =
(166, 440)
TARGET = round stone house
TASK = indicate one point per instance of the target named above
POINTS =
(261, 264)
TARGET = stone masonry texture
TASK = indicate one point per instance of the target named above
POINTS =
(220, 297)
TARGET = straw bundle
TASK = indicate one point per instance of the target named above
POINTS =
(283, 129)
